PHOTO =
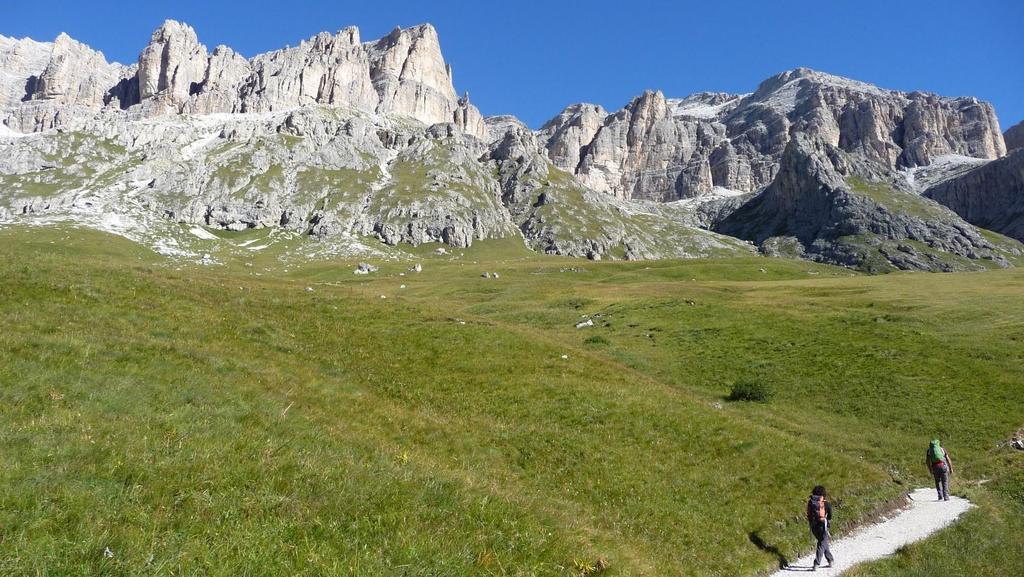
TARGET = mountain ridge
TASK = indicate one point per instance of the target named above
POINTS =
(344, 141)
(402, 73)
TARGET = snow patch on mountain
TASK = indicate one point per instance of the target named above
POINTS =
(698, 106)
(943, 168)
(7, 132)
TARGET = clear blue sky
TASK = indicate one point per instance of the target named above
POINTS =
(532, 58)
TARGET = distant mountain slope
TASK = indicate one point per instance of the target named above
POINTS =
(819, 208)
(990, 196)
(662, 149)
(337, 175)
(357, 146)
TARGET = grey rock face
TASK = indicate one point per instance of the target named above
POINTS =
(411, 76)
(333, 176)
(566, 135)
(642, 152)
(1014, 137)
(219, 89)
(559, 216)
(21, 63)
(661, 149)
(173, 61)
(76, 75)
(338, 140)
(326, 69)
(990, 196)
(313, 171)
(403, 73)
(811, 209)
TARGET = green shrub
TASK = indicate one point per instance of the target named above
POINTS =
(755, 390)
(595, 340)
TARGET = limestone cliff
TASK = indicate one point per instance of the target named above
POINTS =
(663, 149)
(990, 196)
(818, 208)
(403, 74)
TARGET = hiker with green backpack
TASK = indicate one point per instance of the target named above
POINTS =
(941, 467)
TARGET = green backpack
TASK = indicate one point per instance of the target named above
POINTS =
(936, 454)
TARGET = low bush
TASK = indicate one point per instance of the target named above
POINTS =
(752, 390)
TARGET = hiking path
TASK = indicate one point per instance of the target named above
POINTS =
(923, 516)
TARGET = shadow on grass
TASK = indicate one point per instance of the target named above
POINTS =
(760, 544)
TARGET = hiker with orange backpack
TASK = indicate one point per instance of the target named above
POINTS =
(819, 516)
(941, 467)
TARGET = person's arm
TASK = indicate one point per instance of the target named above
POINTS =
(828, 510)
(949, 463)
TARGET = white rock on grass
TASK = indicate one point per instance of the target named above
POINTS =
(365, 268)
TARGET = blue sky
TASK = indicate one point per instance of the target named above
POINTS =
(532, 58)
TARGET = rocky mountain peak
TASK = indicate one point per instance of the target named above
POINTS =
(21, 63)
(173, 61)
(411, 76)
(801, 77)
(403, 73)
(565, 135)
(668, 149)
(825, 205)
(75, 75)
(809, 164)
(651, 103)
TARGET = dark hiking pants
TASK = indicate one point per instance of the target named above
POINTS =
(941, 482)
(820, 532)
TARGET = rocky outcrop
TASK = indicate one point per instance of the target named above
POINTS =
(326, 69)
(76, 75)
(566, 135)
(1014, 137)
(338, 139)
(219, 89)
(990, 196)
(21, 63)
(467, 118)
(411, 77)
(816, 208)
(643, 152)
(663, 149)
(559, 216)
(403, 74)
(335, 177)
(171, 64)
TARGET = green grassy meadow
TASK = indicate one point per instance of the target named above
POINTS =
(167, 419)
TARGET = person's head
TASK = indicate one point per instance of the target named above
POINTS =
(819, 491)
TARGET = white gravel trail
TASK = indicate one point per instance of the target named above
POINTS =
(923, 516)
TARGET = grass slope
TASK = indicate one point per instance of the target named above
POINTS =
(205, 421)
